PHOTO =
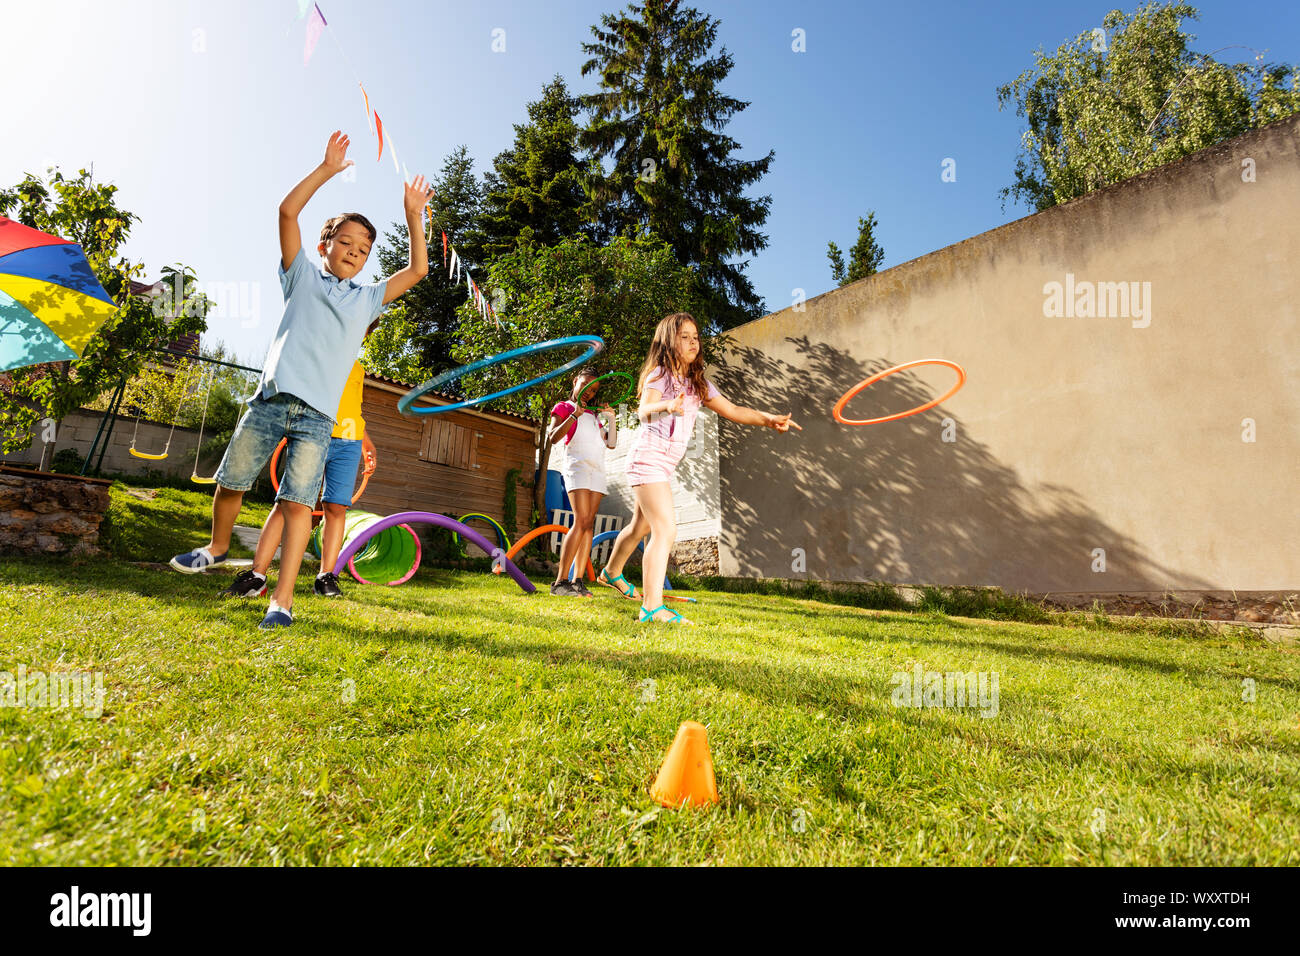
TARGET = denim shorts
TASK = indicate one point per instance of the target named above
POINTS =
(260, 430)
(341, 466)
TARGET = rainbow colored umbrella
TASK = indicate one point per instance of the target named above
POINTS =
(51, 303)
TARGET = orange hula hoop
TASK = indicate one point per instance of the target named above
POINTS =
(838, 410)
(275, 480)
(544, 529)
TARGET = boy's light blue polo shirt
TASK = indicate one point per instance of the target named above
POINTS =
(324, 323)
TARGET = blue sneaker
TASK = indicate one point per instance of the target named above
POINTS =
(192, 562)
(276, 616)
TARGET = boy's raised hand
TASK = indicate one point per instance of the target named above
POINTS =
(415, 197)
(336, 153)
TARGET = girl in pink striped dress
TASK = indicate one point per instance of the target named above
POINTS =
(672, 381)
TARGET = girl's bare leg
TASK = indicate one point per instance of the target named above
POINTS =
(577, 543)
(656, 502)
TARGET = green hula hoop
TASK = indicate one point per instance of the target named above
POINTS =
(502, 539)
(631, 389)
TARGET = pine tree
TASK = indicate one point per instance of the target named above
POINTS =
(535, 188)
(659, 115)
(864, 258)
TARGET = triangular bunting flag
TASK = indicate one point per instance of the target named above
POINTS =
(315, 27)
(369, 122)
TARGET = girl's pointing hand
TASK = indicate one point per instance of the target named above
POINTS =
(782, 423)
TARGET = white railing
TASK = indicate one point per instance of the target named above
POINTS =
(603, 523)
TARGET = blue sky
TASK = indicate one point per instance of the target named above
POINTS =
(204, 116)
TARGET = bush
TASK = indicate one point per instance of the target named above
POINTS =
(439, 550)
(67, 461)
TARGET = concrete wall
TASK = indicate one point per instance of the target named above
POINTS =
(77, 430)
(1115, 432)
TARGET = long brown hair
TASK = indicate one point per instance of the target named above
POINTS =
(663, 354)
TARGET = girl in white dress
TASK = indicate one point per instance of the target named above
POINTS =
(586, 436)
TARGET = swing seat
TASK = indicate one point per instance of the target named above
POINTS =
(200, 480)
(146, 455)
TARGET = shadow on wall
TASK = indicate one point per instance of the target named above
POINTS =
(895, 502)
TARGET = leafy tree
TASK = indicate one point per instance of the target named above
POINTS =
(416, 334)
(659, 116)
(159, 394)
(535, 189)
(618, 291)
(864, 258)
(82, 211)
(391, 349)
(1104, 108)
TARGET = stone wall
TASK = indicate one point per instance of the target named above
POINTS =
(697, 557)
(1251, 607)
(50, 514)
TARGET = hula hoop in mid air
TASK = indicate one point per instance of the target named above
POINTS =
(838, 410)
(630, 393)
(595, 344)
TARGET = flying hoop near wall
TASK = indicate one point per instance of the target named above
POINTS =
(838, 410)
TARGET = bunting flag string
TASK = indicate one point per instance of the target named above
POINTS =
(315, 27)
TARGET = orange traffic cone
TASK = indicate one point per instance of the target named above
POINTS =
(686, 777)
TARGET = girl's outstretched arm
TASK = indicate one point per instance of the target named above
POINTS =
(653, 403)
(750, 416)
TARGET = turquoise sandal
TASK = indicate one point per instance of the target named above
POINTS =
(647, 617)
(609, 582)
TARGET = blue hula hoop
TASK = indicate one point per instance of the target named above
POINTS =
(595, 345)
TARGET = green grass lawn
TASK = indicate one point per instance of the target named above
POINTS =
(456, 720)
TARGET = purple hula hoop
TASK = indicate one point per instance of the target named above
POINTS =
(442, 521)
